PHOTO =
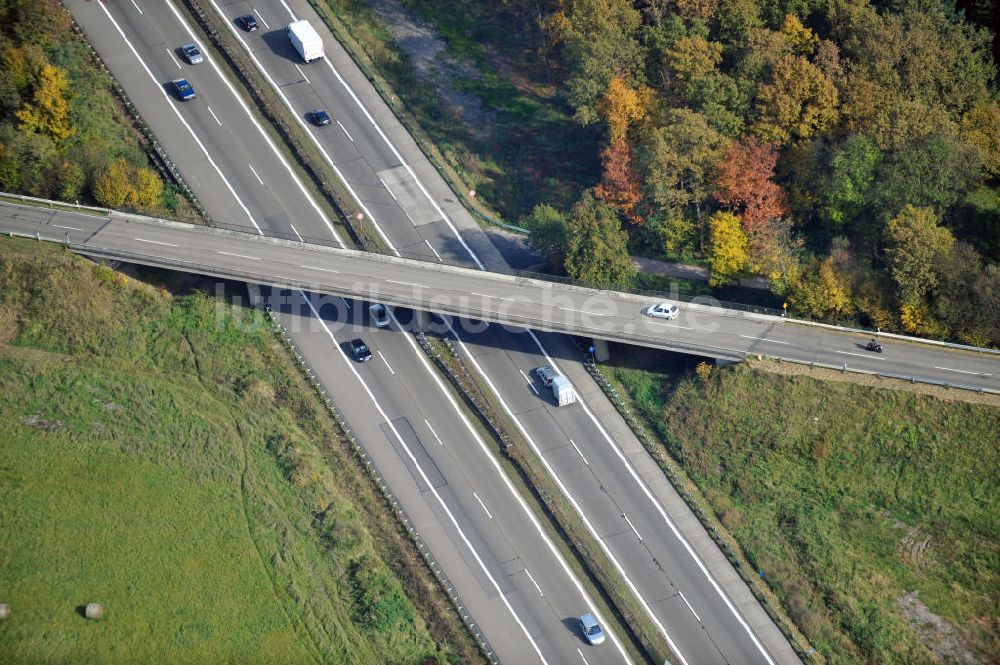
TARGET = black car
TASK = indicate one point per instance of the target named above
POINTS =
(360, 350)
(248, 22)
(319, 117)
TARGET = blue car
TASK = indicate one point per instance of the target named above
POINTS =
(183, 90)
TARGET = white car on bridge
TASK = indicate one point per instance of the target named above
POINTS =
(664, 310)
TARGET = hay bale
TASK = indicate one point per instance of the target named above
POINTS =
(94, 611)
(4, 611)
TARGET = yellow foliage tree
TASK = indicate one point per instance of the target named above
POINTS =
(691, 58)
(801, 39)
(799, 101)
(981, 130)
(113, 187)
(48, 113)
(729, 248)
(147, 188)
(822, 291)
(621, 106)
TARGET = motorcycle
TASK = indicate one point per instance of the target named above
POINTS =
(873, 346)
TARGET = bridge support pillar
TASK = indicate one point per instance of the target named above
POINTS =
(421, 320)
(601, 351)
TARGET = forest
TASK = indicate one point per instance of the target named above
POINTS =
(847, 151)
(63, 135)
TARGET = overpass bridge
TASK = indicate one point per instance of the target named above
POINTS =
(703, 328)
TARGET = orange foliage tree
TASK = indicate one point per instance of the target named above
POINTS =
(619, 186)
(744, 183)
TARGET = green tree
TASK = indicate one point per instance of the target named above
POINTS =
(981, 131)
(913, 243)
(851, 174)
(689, 59)
(677, 162)
(800, 101)
(548, 232)
(729, 248)
(597, 250)
(936, 172)
(599, 41)
(957, 271)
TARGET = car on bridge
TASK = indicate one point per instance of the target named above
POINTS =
(663, 310)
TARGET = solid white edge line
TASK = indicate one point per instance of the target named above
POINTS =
(421, 356)
(170, 103)
(302, 124)
(660, 509)
(260, 129)
(430, 487)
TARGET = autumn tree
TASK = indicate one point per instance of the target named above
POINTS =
(619, 186)
(689, 59)
(981, 131)
(597, 250)
(801, 39)
(800, 101)
(744, 182)
(728, 249)
(599, 41)
(913, 243)
(147, 188)
(822, 290)
(48, 113)
(113, 187)
(621, 106)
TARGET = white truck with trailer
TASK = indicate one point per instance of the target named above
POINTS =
(306, 40)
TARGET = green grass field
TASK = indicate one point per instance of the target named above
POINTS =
(848, 498)
(163, 457)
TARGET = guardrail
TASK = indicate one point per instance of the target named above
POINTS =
(369, 464)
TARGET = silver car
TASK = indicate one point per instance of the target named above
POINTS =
(380, 315)
(591, 629)
(192, 54)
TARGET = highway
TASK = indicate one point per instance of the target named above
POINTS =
(688, 588)
(509, 574)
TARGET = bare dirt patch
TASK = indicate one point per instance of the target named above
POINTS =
(940, 636)
(433, 64)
